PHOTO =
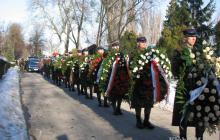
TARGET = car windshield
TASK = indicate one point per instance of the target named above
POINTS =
(33, 62)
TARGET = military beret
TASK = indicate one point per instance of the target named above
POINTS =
(190, 33)
(141, 39)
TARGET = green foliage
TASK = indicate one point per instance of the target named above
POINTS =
(217, 33)
(128, 43)
(182, 14)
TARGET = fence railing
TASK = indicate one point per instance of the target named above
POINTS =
(4, 66)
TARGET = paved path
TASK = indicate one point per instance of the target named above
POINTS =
(54, 113)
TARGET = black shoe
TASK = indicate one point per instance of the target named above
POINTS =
(119, 112)
(106, 105)
(148, 125)
(139, 125)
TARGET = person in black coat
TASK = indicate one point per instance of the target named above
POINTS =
(178, 64)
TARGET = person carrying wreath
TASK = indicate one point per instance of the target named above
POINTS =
(196, 100)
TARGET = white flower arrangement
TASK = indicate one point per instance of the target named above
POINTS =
(206, 90)
(201, 97)
(212, 98)
(198, 107)
(207, 109)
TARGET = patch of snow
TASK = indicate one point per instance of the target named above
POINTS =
(3, 58)
(12, 122)
(168, 103)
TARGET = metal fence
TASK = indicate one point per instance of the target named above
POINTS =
(4, 66)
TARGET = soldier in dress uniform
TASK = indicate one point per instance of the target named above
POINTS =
(101, 51)
(118, 84)
(179, 63)
(142, 96)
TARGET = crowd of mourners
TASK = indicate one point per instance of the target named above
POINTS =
(143, 79)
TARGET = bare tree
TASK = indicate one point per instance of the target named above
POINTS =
(150, 22)
(121, 16)
(37, 40)
(66, 20)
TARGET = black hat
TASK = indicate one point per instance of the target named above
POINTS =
(79, 51)
(190, 33)
(116, 43)
(100, 48)
(141, 39)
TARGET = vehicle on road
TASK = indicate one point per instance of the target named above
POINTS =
(33, 64)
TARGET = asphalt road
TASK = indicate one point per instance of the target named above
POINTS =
(54, 113)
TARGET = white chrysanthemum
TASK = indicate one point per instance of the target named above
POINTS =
(207, 49)
(214, 118)
(212, 98)
(102, 78)
(208, 57)
(142, 63)
(194, 75)
(161, 62)
(206, 124)
(198, 114)
(215, 82)
(197, 53)
(200, 123)
(201, 66)
(217, 113)
(162, 56)
(150, 53)
(157, 59)
(139, 62)
(211, 115)
(206, 90)
(199, 83)
(194, 61)
(213, 91)
(211, 52)
(138, 76)
(192, 55)
(148, 57)
(157, 51)
(190, 75)
(146, 54)
(153, 50)
(146, 61)
(141, 68)
(198, 107)
(206, 119)
(201, 97)
(216, 107)
(143, 57)
(204, 42)
(207, 109)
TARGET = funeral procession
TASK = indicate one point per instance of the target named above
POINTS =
(110, 70)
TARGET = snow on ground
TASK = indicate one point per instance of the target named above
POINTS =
(169, 102)
(12, 122)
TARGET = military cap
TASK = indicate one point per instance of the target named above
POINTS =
(79, 51)
(141, 39)
(190, 33)
(116, 43)
(100, 48)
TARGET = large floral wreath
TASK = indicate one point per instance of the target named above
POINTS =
(203, 106)
(107, 64)
(160, 62)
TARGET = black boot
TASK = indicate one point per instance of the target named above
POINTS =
(147, 123)
(106, 102)
(99, 98)
(90, 90)
(119, 107)
(114, 107)
(139, 124)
